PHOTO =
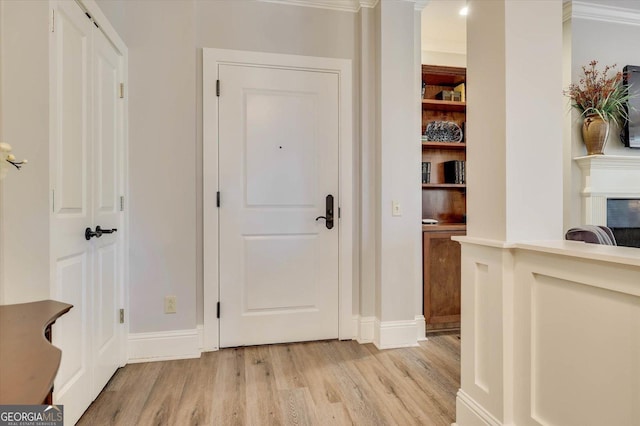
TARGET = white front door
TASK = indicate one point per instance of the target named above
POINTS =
(278, 161)
(86, 170)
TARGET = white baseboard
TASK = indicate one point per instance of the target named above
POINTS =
(470, 413)
(421, 325)
(364, 329)
(395, 334)
(165, 345)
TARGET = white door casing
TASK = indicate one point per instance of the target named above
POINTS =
(87, 175)
(278, 133)
(274, 64)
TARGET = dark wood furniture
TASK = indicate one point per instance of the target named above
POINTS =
(445, 202)
(28, 360)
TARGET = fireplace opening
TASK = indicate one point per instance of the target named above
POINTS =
(623, 217)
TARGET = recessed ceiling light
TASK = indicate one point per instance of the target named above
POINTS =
(464, 11)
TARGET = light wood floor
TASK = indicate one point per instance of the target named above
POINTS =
(313, 383)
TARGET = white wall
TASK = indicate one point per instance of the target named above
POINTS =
(24, 123)
(447, 59)
(608, 43)
(399, 237)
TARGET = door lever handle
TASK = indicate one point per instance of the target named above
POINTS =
(106, 231)
(328, 218)
(88, 233)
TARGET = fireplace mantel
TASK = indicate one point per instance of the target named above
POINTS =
(606, 176)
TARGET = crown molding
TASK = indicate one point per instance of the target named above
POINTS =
(369, 3)
(600, 12)
(339, 5)
(421, 4)
(343, 5)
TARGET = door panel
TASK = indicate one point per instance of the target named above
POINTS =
(71, 169)
(278, 161)
(107, 142)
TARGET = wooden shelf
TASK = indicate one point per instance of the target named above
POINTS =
(443, 76)
(443, 185)
(444, 145)
(437, 105)
(445, 227)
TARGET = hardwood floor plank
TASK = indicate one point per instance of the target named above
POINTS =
(123, 407)
(263, 405)
(297, 407)
(162, 405)
(229, 390)
(196, 403)
(285, 368)
(311, 383)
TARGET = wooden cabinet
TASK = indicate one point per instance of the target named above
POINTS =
(441, 263)
(443, 199)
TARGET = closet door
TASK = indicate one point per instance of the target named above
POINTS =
(107, 171)
(72, 203)
(86, 177)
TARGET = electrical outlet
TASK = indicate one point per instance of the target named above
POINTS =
(396, 210)
(169, 304)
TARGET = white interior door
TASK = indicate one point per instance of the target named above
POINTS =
(107, 170)
(278, 160)
(86, 171)
(71, 171)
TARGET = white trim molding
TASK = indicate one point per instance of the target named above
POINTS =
(395, 334)
(164, 345)
(339, 5)
(469, 412)
(365, 329)
(421, 327)
(600, 12)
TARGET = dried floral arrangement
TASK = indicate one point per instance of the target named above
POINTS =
(601, 94)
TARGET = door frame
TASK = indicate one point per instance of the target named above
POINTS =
(211, 58)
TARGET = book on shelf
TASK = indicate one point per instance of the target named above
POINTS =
(426, 172)
(454, 171)
(461, 89)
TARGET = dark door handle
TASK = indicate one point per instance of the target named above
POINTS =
(88, 233)
(106, 231)
(328, 218)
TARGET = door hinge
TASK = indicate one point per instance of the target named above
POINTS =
(122, 203)
(53, 20)
(121, 316)
(217, 87)
(218, 199)
(121, 94)
(339, 212)
(218, 310)
(53, 200)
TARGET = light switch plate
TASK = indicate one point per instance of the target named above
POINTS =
(396, 210)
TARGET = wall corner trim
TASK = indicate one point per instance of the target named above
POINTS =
(164, 345)
(470, 412)
(421, 327)
(395, 334)
(364, 328)
(601, 12)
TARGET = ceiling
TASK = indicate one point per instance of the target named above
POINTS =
(443, 28)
